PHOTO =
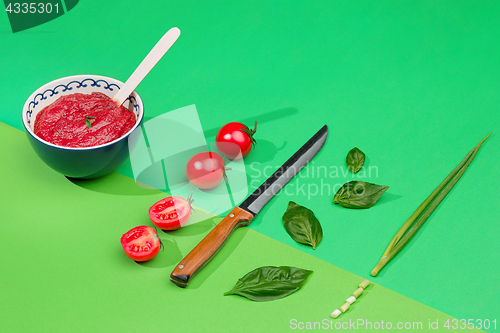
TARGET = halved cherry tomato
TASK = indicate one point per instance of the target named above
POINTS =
(170, 213)
(235, 140)
(141, 243)
(205, 170)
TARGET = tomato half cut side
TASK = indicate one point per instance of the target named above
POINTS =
(170, 213)
(141, 243)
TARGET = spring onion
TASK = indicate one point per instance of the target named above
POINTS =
(425, 210)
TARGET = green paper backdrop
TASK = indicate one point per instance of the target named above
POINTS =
(412, 84)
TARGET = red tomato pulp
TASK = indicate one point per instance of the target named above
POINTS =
(235, 140)
(205, 170)
(170, 213)
(80, 120)
(141, 243)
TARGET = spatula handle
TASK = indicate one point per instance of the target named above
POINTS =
(156, 53)
(209, 246)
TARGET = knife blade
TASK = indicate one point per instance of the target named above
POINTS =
(242, 215)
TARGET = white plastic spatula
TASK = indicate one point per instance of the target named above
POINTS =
(147, 64)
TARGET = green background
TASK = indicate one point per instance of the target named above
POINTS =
(412, 84)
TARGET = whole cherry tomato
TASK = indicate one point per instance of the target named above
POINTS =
(205, 170)
(235, 140)
(171, 213)
(141, 243)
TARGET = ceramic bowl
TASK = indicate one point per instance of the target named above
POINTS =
(89, 162)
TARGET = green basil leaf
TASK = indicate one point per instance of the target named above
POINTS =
(302, 225)
(355, 159)
(358, 194)
(269, 283)
(87, 121)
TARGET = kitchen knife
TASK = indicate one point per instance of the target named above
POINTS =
(244, 213)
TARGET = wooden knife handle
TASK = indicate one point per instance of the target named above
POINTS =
(209, 246)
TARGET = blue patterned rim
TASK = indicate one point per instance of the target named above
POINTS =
(99, 81)
(77, 84)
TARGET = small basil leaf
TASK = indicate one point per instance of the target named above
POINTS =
(302, 225)
(355, 159)
(87, 121)
(269, 283)
(358, 194)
